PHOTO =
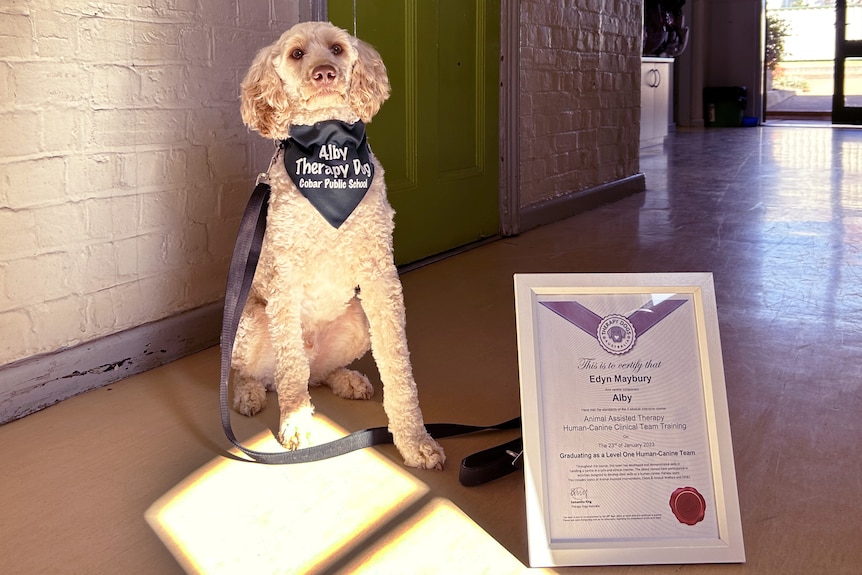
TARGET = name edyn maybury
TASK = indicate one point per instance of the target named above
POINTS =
(617, 378)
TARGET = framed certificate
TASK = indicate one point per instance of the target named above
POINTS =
(628, 456)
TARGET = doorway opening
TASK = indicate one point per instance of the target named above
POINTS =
(813, 71)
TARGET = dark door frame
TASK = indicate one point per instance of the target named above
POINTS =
(841, 112)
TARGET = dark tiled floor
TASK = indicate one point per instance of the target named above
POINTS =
(774, 213)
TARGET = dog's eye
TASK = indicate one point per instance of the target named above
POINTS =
(297, 54)
(337, 49)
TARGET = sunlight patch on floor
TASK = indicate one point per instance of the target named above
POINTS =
(439, 538)
(358, 512)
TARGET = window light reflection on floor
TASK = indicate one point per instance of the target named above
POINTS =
(358, 512)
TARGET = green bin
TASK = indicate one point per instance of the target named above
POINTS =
(724, 106)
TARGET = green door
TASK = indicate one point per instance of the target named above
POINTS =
(437, 134)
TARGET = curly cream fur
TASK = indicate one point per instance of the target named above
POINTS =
(305, 319)
(277, 87)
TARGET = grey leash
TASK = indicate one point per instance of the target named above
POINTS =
(475, 469)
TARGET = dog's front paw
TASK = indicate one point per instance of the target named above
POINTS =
(349, 384)
(293, 432)
(422, 453)
(249, 397)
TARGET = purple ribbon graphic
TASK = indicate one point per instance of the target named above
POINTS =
(641, 319)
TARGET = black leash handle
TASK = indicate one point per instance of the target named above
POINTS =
(484, 466)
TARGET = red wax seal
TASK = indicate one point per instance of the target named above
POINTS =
(687, 505)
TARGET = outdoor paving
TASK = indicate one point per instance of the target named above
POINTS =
(809, 103)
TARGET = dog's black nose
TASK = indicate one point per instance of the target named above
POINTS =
(324, 74)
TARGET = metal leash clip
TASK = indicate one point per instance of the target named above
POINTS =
(263, 177)
(517, 457)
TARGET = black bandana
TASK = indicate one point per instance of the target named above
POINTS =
(330, 164)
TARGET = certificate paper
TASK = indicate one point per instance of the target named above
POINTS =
(627, 440)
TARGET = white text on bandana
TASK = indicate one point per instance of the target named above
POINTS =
(330, 165)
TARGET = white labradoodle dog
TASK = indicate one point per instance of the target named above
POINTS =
(326, 288)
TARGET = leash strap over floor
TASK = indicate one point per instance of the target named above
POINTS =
(475, 469)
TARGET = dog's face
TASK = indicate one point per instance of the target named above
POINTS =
(314, 72)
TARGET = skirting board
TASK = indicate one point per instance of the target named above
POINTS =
(35, 383)
(563, 207)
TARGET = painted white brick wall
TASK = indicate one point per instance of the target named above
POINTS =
(124, 165)
(579, 95)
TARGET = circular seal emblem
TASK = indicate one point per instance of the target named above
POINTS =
(688, 505)
(616, 334)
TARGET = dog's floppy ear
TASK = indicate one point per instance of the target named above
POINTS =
(369, 84)
(264, 103)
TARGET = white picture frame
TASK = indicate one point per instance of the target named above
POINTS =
(627, 447)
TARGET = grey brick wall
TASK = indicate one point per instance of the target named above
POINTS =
(580, 97)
